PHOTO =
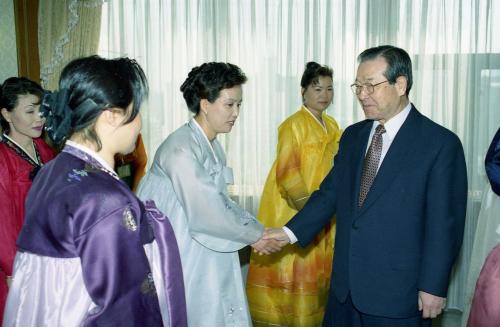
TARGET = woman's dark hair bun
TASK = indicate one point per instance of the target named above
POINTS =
(55, 109)
(312, 65)
(87, 87)
(312, 72)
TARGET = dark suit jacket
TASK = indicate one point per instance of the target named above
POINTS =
(492, 163)
(409, 230)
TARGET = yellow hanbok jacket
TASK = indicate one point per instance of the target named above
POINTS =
(290, 288)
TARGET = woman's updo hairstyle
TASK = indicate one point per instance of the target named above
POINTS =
(312, 72)
(87, 87)
(10, 91)
(206, 82)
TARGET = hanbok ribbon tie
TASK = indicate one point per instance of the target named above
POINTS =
(171, 266)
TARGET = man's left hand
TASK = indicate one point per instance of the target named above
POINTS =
(430, 305)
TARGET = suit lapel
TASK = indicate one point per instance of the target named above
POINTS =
(394, 160)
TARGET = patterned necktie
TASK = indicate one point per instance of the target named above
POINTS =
(370, 165)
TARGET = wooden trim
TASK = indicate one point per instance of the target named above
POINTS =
(26, 21)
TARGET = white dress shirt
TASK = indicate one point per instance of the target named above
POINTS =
(392, 127)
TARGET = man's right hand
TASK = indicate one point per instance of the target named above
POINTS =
(267, 244)
(277, 234)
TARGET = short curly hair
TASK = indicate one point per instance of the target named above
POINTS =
(206, 82)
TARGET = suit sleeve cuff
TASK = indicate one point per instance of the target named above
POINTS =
(290, 234)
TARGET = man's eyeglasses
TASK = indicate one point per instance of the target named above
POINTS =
(369, 88)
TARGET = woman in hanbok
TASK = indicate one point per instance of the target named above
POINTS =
(290, 288)
(80, 259)
(188, 181)
(22, 153)
(482, 292)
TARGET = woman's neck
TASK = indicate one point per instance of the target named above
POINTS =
(108, 157)
(316, 113)
(103, 153)
(23, 141)
(202, 121)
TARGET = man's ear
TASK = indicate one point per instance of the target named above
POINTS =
(401, 85)
(6, 115)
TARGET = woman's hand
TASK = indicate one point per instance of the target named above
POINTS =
(267, 244)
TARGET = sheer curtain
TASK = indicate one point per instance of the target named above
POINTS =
(67, 29)
(456, 70)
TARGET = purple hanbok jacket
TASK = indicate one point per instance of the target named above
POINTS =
(76, 208)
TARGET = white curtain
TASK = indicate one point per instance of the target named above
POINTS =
(67, 29)
(456, 70)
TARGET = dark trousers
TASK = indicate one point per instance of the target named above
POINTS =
(346, 315)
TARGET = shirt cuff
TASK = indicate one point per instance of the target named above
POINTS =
(290, 234)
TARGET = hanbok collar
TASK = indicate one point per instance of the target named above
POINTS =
(197, 126)
(323, 126)
(89, 156)
(34, 161)
(19, 150)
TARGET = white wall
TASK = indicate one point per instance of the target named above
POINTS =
(8, 64)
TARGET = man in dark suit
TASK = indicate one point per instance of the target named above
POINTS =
(399, 192)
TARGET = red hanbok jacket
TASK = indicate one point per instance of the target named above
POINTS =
(15, 181)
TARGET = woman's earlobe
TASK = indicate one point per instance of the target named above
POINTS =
(204, 106)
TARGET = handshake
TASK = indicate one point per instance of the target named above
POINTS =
(273, 240)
